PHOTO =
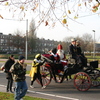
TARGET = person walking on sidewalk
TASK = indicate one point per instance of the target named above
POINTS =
(35, 70)
(18, 71)
(7, 66)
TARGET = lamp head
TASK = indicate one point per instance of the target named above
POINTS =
(93, 30)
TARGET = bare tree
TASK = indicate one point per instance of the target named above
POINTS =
(68, 39)
(87, 42)
(18, 41)
(65, 46)
(32, 36)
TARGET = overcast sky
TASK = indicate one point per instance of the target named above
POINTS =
(86, 25)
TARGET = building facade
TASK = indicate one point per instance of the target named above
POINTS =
(97, 46)
(44, 46)
(9, 44)
(5, 41)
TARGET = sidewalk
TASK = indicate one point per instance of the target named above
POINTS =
(2, 88)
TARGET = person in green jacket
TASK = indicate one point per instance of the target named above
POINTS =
(35, 70)
(18, 71)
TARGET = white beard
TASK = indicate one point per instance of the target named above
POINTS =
(60, 53)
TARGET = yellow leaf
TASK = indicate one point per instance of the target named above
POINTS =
(6, 4)
(94, 10)
(64, 16)
(69, 11)
(22, 7)
(1, 17)
(64, 21)
(79, 4)
(75, 17)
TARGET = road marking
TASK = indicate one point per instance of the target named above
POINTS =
(2, 85)
(52, 95)
(62, 97)
(1, 71)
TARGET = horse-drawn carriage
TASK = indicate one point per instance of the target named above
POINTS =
(83, 76)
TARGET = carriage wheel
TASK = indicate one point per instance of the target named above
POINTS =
(96, 81)
(46, 75)
(95, 77)
(82, 81)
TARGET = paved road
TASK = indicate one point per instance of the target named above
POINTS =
(57, 91)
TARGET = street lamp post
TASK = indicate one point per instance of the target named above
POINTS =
(94, 45)
(26, 39)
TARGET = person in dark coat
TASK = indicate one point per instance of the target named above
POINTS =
(73, 49)
(8, 65)
(80, 54)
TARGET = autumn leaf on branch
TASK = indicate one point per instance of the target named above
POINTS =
(1, 17)
(7, 3)
(45, 10)
(79, 4)
(22, 8)
(69, 11)
(64, 21)
(46, 23)
(75, 17)
(95, 7)
(35, 7)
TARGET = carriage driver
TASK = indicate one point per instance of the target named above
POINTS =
(73, 49)
(76, 52)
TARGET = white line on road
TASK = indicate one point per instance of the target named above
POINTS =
(68, 98)
(3, 85)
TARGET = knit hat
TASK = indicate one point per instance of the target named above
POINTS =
(21, 57)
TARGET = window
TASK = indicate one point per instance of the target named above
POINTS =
(2, 40)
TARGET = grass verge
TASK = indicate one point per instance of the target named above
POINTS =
(9, 96)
